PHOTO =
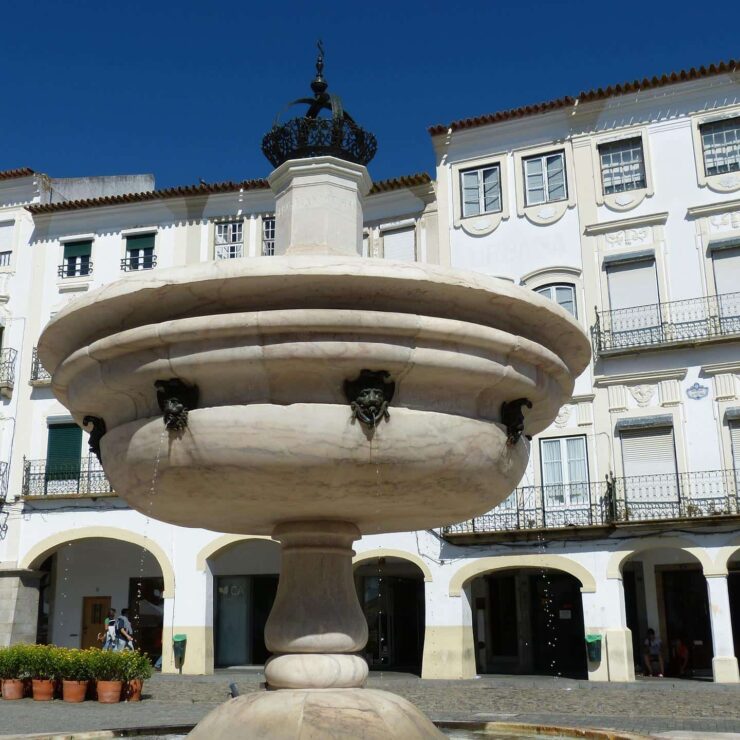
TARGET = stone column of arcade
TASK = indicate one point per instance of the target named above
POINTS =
(314, 396)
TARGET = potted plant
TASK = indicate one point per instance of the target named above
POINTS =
(10, 675)
(137, 669)
(43, 669)
(75, 671)
(108, 671)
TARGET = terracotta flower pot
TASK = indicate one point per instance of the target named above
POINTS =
(109, 692)
(132, 690)
(13, 688)
(74, 691)
(43, 689)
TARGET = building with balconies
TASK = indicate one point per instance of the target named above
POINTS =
(620, 204)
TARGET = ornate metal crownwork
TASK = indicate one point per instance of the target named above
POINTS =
(98, 430)
(369, 396)
(175, 399)
(312, 136)
(512, 418)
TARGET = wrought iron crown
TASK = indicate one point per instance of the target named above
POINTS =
(313, 136)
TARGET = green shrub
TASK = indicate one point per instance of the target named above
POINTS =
(10, 662)
(135, 665)
(74, 664)
(40, 661)
(107, 665)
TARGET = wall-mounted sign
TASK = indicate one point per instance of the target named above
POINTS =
(697, 392)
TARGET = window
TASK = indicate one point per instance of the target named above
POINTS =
(720, 142)
(735, 441)
(268, 236)
(622, 166)
(5, 259)
(139, 253)
(564, 471)
(63, 452)
(6, 243)
(726, 264)
(229, 240)
(563, 295)
(76, 259)
(649, 461)
(544, 179)
(481, 191)
(400, 244)
(634, 318)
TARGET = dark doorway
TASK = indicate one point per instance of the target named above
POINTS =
(557, 625)
(146, 613)
(243, 604)
(733, 584)
(629, 580)
(686, 610)
(392, 598)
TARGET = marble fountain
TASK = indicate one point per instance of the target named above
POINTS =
(314, 396)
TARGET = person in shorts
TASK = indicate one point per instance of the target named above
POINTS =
(653, 655)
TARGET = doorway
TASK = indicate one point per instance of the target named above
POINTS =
(94, 611)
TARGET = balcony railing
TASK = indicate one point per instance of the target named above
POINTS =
(7, 370)
(613, 501)
(69, 270)
(47, 478)
(145, 262)
(663, 324)
(39, 374)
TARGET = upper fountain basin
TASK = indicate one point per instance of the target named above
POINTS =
(269, 342)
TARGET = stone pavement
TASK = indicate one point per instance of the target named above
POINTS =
(646, 706)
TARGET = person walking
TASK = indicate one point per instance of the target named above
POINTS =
(108, 636)
(124, 632)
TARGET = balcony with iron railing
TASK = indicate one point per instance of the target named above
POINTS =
(8, 357)
(692, 321)
(141, 262)
(612, 502)
(76, 478)
(39, 374)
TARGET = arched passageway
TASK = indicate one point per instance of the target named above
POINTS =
(245, 577)
(528, 620)
(733, 586)
(84, 578)
(665, 590)
(391, 592)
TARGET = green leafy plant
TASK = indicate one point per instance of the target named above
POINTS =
(107, 665)
(10, 662)
(136, 665)
(40, 661)
(74, 665)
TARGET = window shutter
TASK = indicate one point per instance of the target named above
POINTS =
(648, 452)
(400, 245)
(727, 270)
(632, 284)
(6, 236)
(63, 451)
(735, 438)
(77, 249)
(140, 241)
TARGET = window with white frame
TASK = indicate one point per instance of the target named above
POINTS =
(720, 142)
(6, 242)
(481, 191)
(5, 259)
(76, 259)
(229, 240)
(400, 244)
(562, 293)
(735, 441)
(139, 253)
(622, 165)
(564, 471)
(649, 463)
(544, 178)
(268, 236)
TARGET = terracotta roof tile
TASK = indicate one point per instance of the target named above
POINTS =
(176, 192)
(586, 97)
(19, 172)
(382, 186)
(396, 183)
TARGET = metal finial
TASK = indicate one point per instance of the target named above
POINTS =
(319, 84)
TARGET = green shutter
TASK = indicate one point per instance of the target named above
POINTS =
(63, 452)
(140, 241)
(77, 249)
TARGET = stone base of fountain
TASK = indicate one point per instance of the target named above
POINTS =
(299, 714)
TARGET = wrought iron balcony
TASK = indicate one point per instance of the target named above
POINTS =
(3, 484)
(48, 478)
(69, 270)
(665, 324)
(7, 371)
(39, 374)
(613, 501)
(145, 262)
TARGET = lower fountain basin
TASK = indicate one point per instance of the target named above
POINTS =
(244, 469)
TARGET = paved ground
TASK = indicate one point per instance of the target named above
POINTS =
(647, 706)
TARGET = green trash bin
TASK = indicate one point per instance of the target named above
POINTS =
(179, 643)
(593, 648)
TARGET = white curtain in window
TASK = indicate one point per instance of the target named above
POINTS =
(727, 270)
(552, 471)
(649, 461)
(400, 245)
(577, 469)
(632, 284)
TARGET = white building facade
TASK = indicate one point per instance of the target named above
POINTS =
(622, 205)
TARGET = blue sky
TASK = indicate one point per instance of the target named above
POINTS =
(186, 89)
